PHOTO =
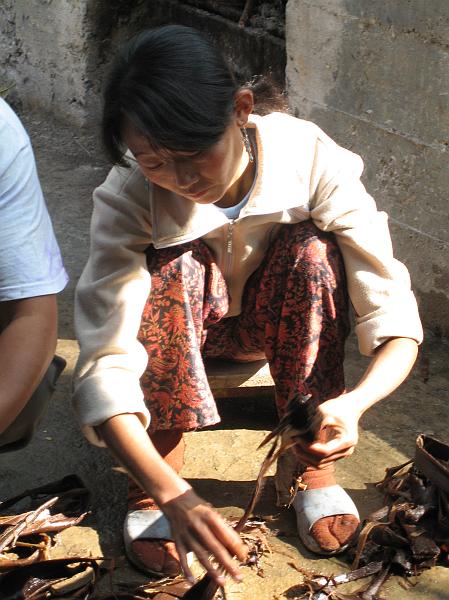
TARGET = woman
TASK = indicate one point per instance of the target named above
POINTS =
(227, 234)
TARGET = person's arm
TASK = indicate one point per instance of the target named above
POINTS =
(194, 523)
(337, 419)
(27, 344)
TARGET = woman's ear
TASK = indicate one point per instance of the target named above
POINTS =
(243, 105)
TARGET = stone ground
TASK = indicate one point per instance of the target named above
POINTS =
(222, 463)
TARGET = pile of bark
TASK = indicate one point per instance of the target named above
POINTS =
(408, 535)
(28, 524)
(412, 530)
(405, 537)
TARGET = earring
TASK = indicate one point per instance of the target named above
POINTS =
(247, 144)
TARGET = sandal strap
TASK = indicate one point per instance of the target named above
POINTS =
(146, 524)
(313, 505)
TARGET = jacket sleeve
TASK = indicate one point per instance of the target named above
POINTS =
(109, 300)
(378, 284)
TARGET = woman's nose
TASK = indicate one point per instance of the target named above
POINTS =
(185, 174)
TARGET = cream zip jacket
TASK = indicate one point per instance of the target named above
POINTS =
(302, 174)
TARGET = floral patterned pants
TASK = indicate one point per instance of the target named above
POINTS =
(295, 313)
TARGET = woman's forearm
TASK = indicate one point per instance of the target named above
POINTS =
(337, 419)
(127, 439)
(389, 367)
(194, 524)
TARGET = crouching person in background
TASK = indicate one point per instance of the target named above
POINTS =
(31, 274)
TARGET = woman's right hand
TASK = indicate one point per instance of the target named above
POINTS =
(197, 527)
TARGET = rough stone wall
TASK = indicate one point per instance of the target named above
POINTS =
(9, 47)
(374, 75)
(56, 51)
(44, 54)
(250, 50)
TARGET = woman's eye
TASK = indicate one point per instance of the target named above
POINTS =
(192, 155)
(152, 166)
(202, 154)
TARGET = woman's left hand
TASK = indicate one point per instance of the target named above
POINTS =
(336, 421)
(336, 433)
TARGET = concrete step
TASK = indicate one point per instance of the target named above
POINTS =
(239, 379)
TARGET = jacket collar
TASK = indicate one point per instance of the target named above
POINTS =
(176, 220)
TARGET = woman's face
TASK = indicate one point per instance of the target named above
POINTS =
(204, 177)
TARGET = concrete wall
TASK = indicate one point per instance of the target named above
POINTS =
(374, 76)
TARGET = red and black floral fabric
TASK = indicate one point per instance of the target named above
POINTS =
(295, 312)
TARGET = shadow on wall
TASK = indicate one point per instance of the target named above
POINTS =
(254, 49)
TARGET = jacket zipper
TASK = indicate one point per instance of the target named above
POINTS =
(229, 246)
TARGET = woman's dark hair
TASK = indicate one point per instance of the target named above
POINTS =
(173, 86)
(177, 90)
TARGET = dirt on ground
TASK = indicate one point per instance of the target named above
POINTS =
(222, 462)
